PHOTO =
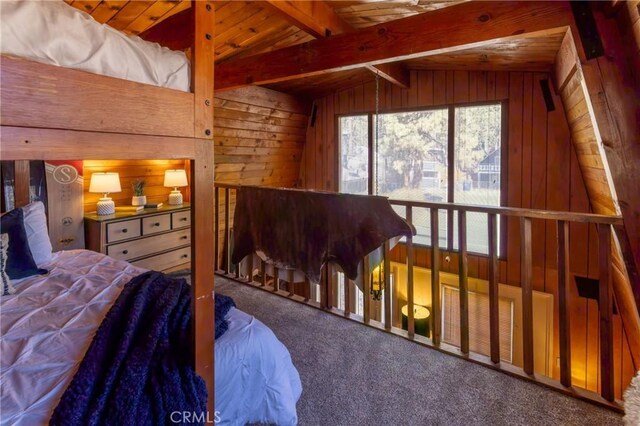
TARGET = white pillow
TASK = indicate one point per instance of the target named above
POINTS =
(35, 224)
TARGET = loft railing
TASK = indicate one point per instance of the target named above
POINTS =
(322, 295)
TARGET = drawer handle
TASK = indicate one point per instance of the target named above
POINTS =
(184, 219)
(184, 237)
(184, 256)
(124, 230)
(125, 251)
(156, 224)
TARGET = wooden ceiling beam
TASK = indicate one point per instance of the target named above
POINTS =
(316, 18)
(454, 28)
(319, 19)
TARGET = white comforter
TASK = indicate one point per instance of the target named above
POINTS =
(55, 33)
(47, 326)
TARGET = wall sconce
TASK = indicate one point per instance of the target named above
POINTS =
(377, 282)
(175, 179)
(105, 183)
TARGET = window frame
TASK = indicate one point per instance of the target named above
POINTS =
(504, 128)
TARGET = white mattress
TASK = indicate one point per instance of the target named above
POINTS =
(55, 33)
(47, 326)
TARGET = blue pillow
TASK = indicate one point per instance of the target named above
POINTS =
(20, 263)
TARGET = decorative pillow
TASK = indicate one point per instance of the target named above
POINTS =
(7, 288)
(35, 225)
(20, 262)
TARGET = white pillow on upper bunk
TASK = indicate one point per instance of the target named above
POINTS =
(35, 225)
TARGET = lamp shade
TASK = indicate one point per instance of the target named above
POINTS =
(175, 178)
(105, 183)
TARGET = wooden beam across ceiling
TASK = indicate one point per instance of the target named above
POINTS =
(320, 20)
(314, 17)
(451, 29)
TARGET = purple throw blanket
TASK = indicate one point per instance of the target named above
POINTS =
(138, 368)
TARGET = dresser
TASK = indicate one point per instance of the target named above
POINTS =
(158, 239)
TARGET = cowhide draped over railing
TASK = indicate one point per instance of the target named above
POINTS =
(303, 230)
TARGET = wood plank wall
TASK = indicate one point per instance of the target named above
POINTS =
(259, 135)
(152, 171)
(542, 173)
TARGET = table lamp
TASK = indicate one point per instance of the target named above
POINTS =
(175, 179)
(105, 183)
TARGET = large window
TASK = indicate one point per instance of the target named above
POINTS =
(413, 156)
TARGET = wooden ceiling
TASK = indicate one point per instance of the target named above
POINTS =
(518, 54)
(365, 13)
(247, 28)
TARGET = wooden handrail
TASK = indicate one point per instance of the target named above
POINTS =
(329, 296)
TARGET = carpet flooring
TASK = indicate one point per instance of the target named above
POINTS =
(356, 375)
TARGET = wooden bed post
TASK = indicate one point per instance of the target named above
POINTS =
(203, 197)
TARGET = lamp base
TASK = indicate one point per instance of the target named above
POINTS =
(175, 198)
(105, 206)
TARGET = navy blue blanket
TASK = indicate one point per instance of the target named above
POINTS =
(138, 369)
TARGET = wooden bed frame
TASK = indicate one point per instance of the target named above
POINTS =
(54, 113)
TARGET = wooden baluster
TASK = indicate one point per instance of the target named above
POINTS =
(526, 273)
(276, 279)
(347, 296)
(216, 228)
(290, 282)
(605, 305)
(307, 287)
(366, 289)
(227, 261)
(250, 268)
(494, 271)
(463, 281)
(329, 284)
(387, 286)
(323, 287)
(435, 279)
(411, 326)
(238, 267)
(563, 301)
(263, 273)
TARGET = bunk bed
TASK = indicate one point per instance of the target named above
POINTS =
(50, 112)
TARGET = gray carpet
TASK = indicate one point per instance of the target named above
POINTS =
(356, 375)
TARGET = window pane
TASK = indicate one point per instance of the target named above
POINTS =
(477, 167)
(354, 173)
(412, 161)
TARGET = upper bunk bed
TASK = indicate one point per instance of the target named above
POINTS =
(61, 69)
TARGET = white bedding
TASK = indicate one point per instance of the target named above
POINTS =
(256, 381)
(55, 33)
(47, 326)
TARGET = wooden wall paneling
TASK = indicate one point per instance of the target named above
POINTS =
(538, 179)
(152, 171)
(514, 169)
(259, 137)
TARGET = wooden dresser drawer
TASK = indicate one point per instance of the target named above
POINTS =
(165, 260)
(118, 231)
(180, 219)
(145, 246)
(155, 224)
